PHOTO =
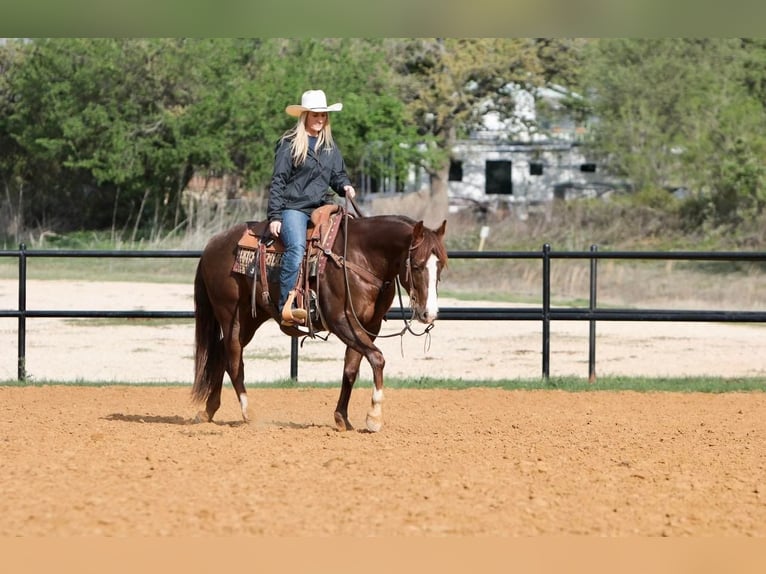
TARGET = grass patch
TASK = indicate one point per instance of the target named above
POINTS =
(713, 385)
(577, 384)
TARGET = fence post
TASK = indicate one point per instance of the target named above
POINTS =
(592, 322)
(546, 311)
(22, 370)
(294, 358)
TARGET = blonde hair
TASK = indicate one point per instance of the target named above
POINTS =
(300, 139)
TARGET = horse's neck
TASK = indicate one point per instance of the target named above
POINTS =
(384, 241)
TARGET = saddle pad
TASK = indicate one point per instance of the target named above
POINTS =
(246, 263)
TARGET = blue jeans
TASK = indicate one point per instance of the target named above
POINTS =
(293, 235)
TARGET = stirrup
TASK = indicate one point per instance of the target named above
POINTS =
(294, 330)
(290, 315)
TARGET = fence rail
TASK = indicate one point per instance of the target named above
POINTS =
(545, 313)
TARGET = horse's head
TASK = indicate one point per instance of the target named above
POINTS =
(425, 261)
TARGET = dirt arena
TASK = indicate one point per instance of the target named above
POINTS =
(125, 460)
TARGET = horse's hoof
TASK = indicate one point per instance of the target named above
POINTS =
(341, 423)
(374, 424)
(201, 417)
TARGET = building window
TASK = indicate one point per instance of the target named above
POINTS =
(455, 170)
(588, 167)
(498, 178)
(535, 168)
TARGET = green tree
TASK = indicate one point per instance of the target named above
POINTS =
(97, 115)
(109, 131)
(683, 112)
(11, 155)
(106, 133)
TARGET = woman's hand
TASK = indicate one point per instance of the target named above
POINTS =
(350, 191)
(275, 227)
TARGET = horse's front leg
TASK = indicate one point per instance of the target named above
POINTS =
(375, 414)
(351, 363)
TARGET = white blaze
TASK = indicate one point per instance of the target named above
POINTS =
(432, 303)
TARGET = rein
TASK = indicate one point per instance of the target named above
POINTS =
(407, 322)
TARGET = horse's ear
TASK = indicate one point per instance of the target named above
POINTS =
(417, 232)
(442, 229)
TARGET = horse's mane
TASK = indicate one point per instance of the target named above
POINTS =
(438, 247)
(393, 217)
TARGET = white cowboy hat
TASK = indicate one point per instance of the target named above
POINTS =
(313, 101)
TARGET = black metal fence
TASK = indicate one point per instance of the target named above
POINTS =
(544, 313)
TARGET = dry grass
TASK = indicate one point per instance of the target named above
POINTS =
(623, 283)
(619, 284)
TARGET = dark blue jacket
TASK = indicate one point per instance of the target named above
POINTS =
(304, 187)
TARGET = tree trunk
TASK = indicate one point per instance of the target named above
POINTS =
(139, 215)
(438, 206)
(114, 214)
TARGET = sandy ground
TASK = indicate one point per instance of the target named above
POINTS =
(125, 461)
(77, 349)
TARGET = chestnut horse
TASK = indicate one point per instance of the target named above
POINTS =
(355, 290)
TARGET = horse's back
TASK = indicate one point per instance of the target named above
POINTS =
(224, 242)
(217, 259)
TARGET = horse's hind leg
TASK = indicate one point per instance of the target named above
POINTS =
(350, 372)
(241, 334)
(236, 370)
(213, 377)
(237, 375)
(213, 402)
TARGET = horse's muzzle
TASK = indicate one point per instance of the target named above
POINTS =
(426, 315)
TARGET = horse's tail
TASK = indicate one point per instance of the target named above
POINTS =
(208, 343)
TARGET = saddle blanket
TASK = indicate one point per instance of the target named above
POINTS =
(246, 263)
